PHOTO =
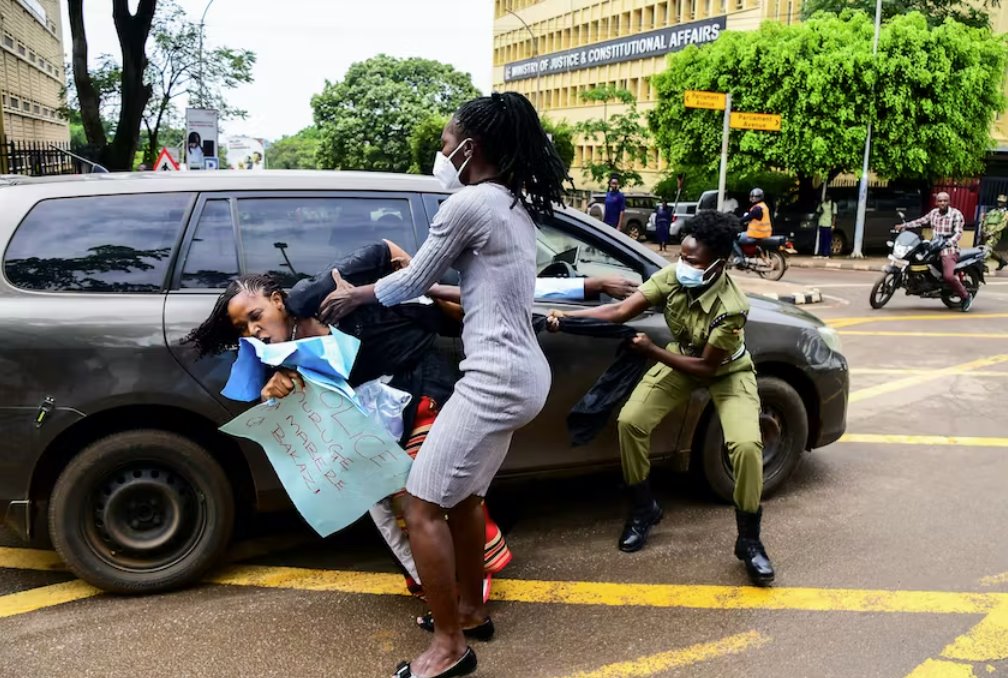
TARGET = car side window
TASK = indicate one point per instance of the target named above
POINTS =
(294, 238)
(110, 243)
(562, 252)
(212, 260)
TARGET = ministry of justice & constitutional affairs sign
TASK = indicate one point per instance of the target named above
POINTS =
(637, 46)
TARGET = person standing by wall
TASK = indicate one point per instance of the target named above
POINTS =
(994, 223)
(826, 216)
(615, 205)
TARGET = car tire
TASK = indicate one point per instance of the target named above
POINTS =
(783, 415)
(141, 511)
(633, 230)
(838, 244)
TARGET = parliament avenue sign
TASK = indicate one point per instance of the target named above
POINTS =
(638, 46)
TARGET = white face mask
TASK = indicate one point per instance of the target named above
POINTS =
(445, 171)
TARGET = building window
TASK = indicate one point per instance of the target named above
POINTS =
(21, 49)
(31, 56)
(15, 102)
(36, 109)
(8, 42)
(26, 106)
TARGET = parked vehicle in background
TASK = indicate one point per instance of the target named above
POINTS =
(639, 207)
(708, 202)
(682, 214)
(799, 218)
(110, 443)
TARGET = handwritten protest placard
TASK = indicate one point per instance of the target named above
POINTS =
(334, 461)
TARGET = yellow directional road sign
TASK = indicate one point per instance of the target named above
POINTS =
(712, 100)
(761, 121)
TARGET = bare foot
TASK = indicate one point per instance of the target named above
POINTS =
(443, 653)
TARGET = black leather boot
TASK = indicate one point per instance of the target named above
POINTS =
(645, 513)
(749, 549)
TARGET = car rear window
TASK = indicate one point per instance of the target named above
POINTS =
(111, 243)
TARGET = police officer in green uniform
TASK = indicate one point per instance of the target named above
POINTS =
(706, 313)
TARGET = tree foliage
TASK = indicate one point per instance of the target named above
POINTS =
(562, 134)
(425, 142)
(296, 151)
(367, 118)
(624, 138)
(931, 96)
(936, 11)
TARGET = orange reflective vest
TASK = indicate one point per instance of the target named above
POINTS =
(761, 228)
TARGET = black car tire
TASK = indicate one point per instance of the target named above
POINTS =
(838, 244)
(784, 413)
(141, 511)
(972, 284)
(633, 230)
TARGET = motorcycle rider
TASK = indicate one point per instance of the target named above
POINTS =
(947, 222)
(756, 221)
(993, 223)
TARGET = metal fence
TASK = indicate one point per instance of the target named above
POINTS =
(43, 159)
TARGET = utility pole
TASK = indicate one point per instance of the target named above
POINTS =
(202, 86)
(862, 204)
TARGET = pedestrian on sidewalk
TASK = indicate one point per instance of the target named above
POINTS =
(706, 313)
(946, 222)
(994, 222)
(826, 216)
(615, 205)
(663, 222)
(494, 147)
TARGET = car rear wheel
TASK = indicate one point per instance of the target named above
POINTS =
(838, 244)
(141, 511)
(784, 423)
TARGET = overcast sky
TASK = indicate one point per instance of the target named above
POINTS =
(301, 43)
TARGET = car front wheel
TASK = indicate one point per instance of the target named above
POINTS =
(141, 511)
(784, 423)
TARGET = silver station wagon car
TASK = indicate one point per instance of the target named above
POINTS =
(109, 441)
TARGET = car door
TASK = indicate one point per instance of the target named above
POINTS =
(290, 235)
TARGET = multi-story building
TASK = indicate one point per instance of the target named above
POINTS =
(554, 50)
(31, 71)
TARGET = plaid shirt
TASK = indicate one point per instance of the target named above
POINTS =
(949, 225)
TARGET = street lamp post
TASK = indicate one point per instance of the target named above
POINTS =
(202, 87)
(859, 221)
(535, 51)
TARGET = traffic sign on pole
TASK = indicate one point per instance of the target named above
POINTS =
(767, 122)
(165, 162)
(712, 100)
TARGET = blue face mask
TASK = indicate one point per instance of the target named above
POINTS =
(688, 276)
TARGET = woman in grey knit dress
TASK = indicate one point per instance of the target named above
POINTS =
(496, 148)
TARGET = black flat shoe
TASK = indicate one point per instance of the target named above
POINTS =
(483, 631)
(463, 667)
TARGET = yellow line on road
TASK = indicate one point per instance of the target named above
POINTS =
(995, 579)
(955, 441)
(939, 668)
(45, 596)
(674, 659)
(30, 559)
(931, 375)
(861, 320)
(645, 595)
(985, 642)
(966, 335)
(911, 372)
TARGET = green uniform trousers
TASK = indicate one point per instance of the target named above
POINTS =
(736, 400)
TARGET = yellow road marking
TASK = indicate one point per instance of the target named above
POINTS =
(30, 559)
(687, 656)
(985, 642)
(931, 375)
(645, 595)
(45, 596)
(861, 320)
(995, 579)
(906, 372)
(967, 335)
(886, 439)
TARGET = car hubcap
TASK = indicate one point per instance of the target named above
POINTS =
(145, 518)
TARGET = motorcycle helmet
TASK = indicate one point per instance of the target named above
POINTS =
(756, 194)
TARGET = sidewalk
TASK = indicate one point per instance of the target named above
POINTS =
(843, 263)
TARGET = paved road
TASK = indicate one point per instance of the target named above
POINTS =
(889, 547)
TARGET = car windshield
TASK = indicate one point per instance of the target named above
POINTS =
(555, 248)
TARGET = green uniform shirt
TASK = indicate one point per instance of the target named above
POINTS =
(994, 222)
(827, 213)
(716, 317)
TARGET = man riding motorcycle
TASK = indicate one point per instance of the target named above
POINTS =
(756, 221)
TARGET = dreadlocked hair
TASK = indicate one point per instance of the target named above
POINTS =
(512, 138)
(217, 334)
(715, 230)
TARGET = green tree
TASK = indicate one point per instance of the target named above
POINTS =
(296, 151)
(367, 118)
(936, 11)
(625, 140)
(562, 134)
(425, 142)
(931, 96)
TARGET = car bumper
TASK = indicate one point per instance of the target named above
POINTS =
(832, 381)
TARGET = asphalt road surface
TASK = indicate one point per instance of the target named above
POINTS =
(889, 546)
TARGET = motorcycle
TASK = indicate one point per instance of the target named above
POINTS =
(766, 257)
(915, 265)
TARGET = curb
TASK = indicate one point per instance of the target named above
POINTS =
(836, 265)
(813, 296)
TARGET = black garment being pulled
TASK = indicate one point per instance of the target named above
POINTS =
(590, 414)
